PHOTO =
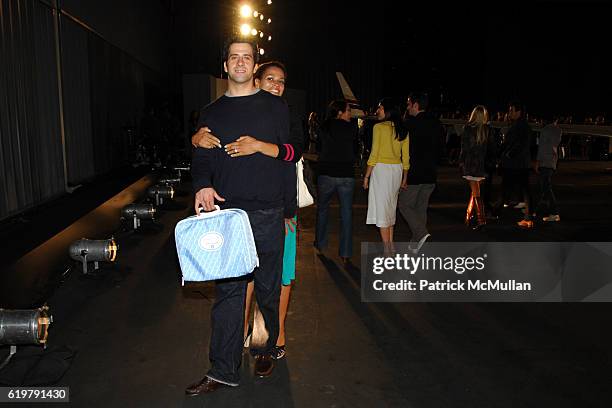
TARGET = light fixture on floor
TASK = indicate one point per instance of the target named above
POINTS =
(170, 181)
(22, 327)
(182, 167)
(138, 212)
(89, 250)
(160, 192)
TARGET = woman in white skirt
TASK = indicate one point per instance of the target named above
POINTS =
(387, 169)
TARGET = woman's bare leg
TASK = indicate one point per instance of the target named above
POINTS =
(285, 296)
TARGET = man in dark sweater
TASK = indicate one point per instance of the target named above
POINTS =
(516, 161)
(424, 135)
(257, 184)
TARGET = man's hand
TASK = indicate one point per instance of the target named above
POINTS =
(290, 224)
(204, 138)
(205, 198)
(244, 146)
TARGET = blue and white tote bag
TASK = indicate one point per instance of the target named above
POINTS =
(216, 245)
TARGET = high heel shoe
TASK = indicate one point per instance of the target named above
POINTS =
(247, 338)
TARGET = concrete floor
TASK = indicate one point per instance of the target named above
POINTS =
(141, 337)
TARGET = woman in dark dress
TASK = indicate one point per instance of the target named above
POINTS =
(476, 152)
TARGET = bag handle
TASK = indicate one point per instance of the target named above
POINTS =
(206, 214)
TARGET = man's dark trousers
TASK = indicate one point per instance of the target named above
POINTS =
(227, 317)
(547, 204)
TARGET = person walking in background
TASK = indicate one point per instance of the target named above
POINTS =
(516, 161)
(271, 77)
(425, 135)
(476, 151)
(386, 171)
(338, 140)
(546, 165)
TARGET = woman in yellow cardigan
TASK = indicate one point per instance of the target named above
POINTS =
(387, 168)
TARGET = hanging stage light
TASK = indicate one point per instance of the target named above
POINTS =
(245, 29)
(19, 327)
(138, 212)
(88, 250)
(245, 11)
(160, 192)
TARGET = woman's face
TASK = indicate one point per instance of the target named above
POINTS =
(273, 81)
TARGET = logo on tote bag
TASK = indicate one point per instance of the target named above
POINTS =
(211, 241)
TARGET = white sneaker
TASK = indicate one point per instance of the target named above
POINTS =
(552, 218)
(522, 204)
(421, 243)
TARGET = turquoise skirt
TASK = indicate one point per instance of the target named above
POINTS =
(289, 256)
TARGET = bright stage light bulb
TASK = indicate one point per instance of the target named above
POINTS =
(245, 11)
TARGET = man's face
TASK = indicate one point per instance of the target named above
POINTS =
(513, 113)
(240, 65)
(346, 115)
(412, 107)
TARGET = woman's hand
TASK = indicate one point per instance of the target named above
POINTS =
(204, 138)
(244, 146)
(366, 182)
(290, 224)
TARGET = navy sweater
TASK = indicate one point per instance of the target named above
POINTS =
(251, 182)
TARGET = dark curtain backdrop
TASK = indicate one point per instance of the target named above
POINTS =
(103, 93)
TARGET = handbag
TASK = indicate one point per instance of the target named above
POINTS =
(215, 245)
(304, 198)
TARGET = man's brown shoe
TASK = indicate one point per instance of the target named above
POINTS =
(263, 365)
(204, 386)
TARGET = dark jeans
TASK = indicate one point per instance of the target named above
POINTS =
(516, 179)
(547, 203)
(327, 186)
(227, 316)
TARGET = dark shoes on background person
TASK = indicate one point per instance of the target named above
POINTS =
(205, 386)
(264, 365)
